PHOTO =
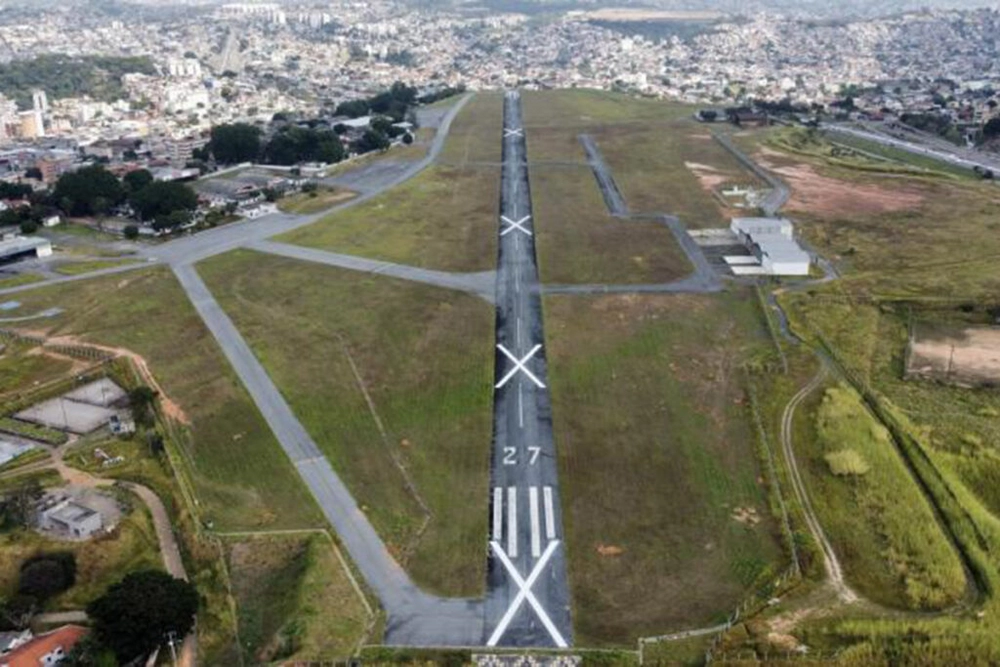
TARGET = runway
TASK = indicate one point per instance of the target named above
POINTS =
(527, 601)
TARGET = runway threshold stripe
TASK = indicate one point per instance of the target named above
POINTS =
(536, 530)
(550, 516)
(512, 521)
(497, 513)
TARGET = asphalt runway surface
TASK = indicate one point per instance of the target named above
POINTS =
(527, 600)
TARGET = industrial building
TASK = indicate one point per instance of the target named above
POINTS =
(771, 242)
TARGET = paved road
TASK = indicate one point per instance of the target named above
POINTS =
(482, 284)
(83, 276)
(969, 159)
(528, 598)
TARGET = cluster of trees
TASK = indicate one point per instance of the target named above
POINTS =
(393, 103)
(94, 190)
(938, 124)
(62, 76)
(444, 93)
(40, 578)
(293, 144)
(232, 143)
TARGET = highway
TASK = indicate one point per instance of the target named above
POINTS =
(971, 160)
(527, 600)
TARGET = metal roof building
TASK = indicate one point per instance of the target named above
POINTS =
(17, 246)
(772, 242)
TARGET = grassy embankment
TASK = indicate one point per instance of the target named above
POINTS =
(659, 480)
(295, 601)
(242, 477)
(881, 238)
(305, 203)
(404, 380)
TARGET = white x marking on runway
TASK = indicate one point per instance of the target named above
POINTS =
(519, 366)
(516, 132)
(518, 224)
(525, 594)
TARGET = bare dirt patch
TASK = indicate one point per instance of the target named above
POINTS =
(967, 357)
(827, 197)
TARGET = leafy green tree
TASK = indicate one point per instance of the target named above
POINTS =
(992, 128)
(407, 138)
(237, 142)
(142, 400)
(88, 191)
(163, 198)
(136, 180)
(33, 172)
(352, 108)
(135, 615)
(28, 227)
(18, 502)
(131, 232)
(14, 190)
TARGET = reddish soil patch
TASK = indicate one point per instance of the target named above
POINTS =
(831, 198)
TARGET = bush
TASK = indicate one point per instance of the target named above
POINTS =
(846, 462)
(131, 232)
(47, 575)
(29, 227)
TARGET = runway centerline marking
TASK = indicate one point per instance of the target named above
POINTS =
(512, 521)
(519, 365)
(520, 406)
(524, 593)
(518, 225)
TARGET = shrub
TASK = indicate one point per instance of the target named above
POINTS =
(846, 462)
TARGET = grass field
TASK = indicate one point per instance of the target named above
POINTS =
(100, 562)
(874, 514)
(243, 478)
(656, 456)
(579, 242)
(396, 373)
(304, 203)
(19, 279)
(475, 134)
(76, 268)
(23, 367)
(891, 233)
(295, 600)
(444, 218)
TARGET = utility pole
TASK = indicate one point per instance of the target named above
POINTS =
(171, 641)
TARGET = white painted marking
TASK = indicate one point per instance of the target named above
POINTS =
(508, 456)
(497, 512)
(536, 529)
(512, 521)
(525, 594)
(520, 407)
(519, 332)
(519, 366)
(512, 132)
(550, 515)
(535, 451)
(515, 224)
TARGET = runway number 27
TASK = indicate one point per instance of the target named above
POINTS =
(510, 455)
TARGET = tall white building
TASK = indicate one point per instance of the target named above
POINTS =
(39, 101)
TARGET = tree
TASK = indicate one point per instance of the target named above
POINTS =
(33, 172)
(136, 614)
(237, 142)
(352, 108)
(136, 180)
(370, 141)
(992, 128)
(407, 138)
(18, 503)
(28, 227)
(87, 191)
(163, 198)
(46, 575)
(131, 232)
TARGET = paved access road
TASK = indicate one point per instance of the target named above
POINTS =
(527, 597)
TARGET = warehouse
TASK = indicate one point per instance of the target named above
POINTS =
(15, 247)
(772, 243)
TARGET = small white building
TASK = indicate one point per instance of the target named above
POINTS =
(772, 242)
(71, 519)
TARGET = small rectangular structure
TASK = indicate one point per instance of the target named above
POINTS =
(65, 415)
(22, 246)
(71, 519)
(103, 392)
(772, 242)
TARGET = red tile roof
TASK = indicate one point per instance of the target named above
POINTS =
(31, 654)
